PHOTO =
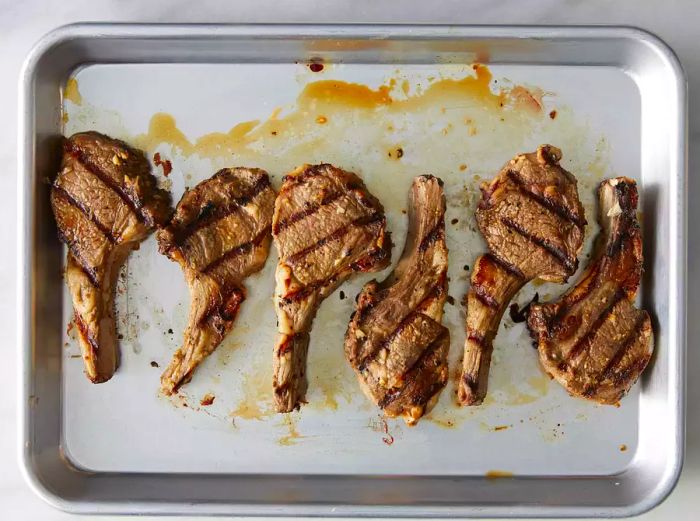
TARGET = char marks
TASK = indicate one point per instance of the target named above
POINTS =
(334, 236)
(91, 166)
(85, 333)
(210, 214)
(395, 341)
(612, 340)
(325, 227)
(89, 214)
(544, 243)
(310, 210)
(532, 220)
(550, 204)
(241, 249)
(219, 235)
(587, 339)
(484, 296)
(512, 269)
(105, 202)
(74, 251)
(627, 343)
(435, 293)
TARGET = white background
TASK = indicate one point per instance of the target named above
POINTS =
(22, 23)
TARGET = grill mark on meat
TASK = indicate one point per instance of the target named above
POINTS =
(409, 374)
(311, 209)
(548, 203)
(470, 380)
(507, 266)
(211, 214)
(557, 323)
(90, 272)
(636, 368)
(241, 249)
(588, 337)
(431, 295)
(105, 202)
(311, 267)
(217, 289)
(433, 235)
(335, 236)
(84, 159)
(476, 338)
(485, 297)
(532, 220)
(546, 245)
(615, 245)
(395, 342)
(435, 292)
(68, 198)
(301, 293)
(374, 258)
(85, 332)
(627, 344)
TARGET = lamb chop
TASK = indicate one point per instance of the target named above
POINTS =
(593, 340)
(395, 341)
(105, 202)
(219, 235)
(533, 223)
(326, 226)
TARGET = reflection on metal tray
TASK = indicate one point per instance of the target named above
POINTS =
(389, 103)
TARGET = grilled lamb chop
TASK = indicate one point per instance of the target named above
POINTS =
(533, 223)
(326, 226)
(219, 235)
(593, 340)
(105, 202)
(395, 341)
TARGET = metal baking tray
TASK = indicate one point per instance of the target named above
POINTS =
(397, 101)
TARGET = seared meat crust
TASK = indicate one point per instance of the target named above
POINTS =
(395, 341)
(219, 235)
(533, 222)
(593, 340)
(326, 227)
(105, 202)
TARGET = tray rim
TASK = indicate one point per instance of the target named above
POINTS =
(185, 31)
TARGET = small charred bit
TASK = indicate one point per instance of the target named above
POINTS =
(219, 235)
(326, 226)
(165, 163)
(593, 340)
(533, 223)
(395, 341)
(105, 202)
(154, 363)
(207, 400)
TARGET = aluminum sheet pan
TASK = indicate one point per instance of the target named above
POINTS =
(391, 102)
